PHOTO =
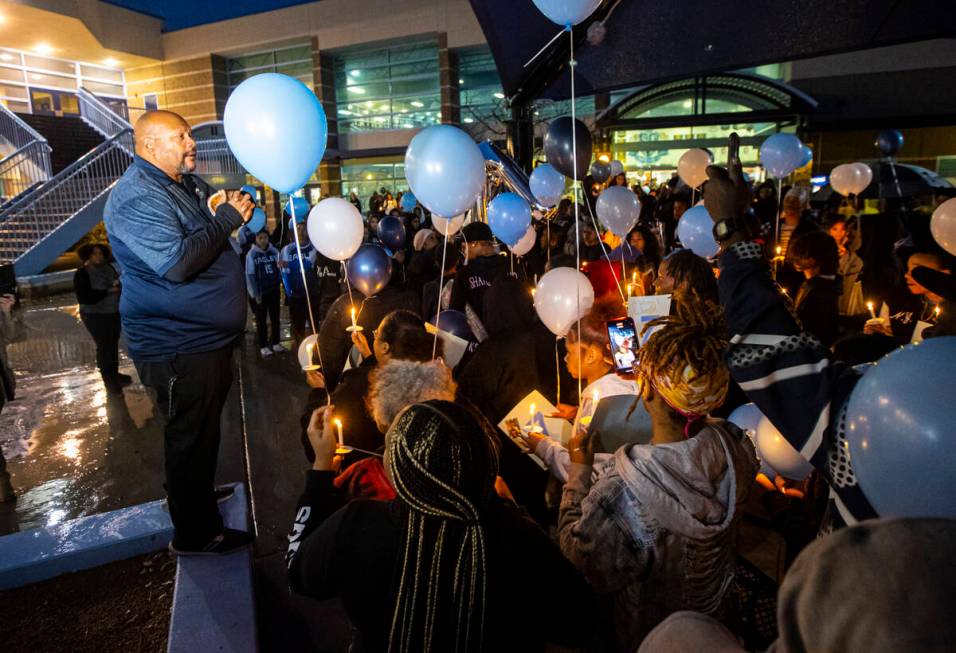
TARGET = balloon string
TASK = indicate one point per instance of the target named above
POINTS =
(441, 287)
(607, 255)
(348, 284)
(574, 187)
(557, 369)
(779, 209)
(896, 180)
(305, 286)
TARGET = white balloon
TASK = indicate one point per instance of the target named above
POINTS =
(777, 452)
(617, 168)
(692, 167)
(452, 225)
(524, 245)
(866, 176)
(851, 178)
(943, 225)
(335, 228)
(563, 297)
(308, 353)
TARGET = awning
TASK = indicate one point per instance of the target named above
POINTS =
(647, 43)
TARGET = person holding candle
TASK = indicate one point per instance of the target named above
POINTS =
(654, 531)
(435, 568)
(588, 358)
(817, 303)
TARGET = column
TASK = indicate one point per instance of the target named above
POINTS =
(448, 79)
(323, 75)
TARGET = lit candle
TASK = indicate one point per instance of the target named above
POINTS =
(353, 317)
(533, 410)
(869, 306)
(338, 428)
(628, 291)
(937, 311)
(308, 350)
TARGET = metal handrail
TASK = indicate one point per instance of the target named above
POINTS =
(24, 169)
(122, 140)
(213, 156)
(16, 130)
(99, 115)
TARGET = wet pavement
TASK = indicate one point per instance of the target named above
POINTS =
(73, 449)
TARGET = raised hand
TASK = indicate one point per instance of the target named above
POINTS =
(241, 202)
(322, 438)
(727, 193)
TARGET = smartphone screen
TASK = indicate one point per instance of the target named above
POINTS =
(622, 336)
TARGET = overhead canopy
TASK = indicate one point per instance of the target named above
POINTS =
(647, 43)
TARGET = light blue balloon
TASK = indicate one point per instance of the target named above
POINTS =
(807, 155)
(251, 191)
(696, 232)
(901, 427)
(781, 154)
(747, 418)
(445, 170)
(301, 208)
(257, 222)
(618, 209)
(509, 217)
(276, 128)
(547, 185)
(409, 202)
(567, 12)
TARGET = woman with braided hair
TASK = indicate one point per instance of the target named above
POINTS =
(441, 567)
(656, 532)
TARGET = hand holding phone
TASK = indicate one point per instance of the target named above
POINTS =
(622, 336)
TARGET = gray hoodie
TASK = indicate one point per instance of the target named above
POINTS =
(658, 530)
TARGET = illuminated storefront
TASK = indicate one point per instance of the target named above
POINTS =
(652, 127)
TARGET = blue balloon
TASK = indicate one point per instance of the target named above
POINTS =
(547, 185)
(445, 170)
(258, 221)
(251, 191)
(301, 206)
(900, 428)
(807, 156)
(409, 202)
(369, 269)
(456, 323)
(696, 232)
(391, 232)
(509, 217)
(276, 128)
(567, 12)
(781, 154)
(889, 141)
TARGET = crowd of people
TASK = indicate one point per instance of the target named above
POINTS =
(440, 531)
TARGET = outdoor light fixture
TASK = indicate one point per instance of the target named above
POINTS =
(111, 62)
(43, 48)
(6, 56)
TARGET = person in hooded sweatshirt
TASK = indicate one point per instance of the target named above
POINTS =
(655, 533)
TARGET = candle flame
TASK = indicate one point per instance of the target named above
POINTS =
(337, 422)
(533, 410)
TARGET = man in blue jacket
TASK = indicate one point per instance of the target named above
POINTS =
(183, 309)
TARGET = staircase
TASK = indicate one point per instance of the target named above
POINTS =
(47, 218)
(69, 136)
(41, 224)
(25, 160)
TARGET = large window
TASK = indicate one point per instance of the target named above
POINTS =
(24, 76)
(294, 61)
(388, 88)
(365, 176)
(479, 86)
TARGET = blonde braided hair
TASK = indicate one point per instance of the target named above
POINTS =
(443, 466)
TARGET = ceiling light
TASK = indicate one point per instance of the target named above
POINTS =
(500, 96)
(407, 125)
(344, 112)
(356, 89)
(688, 104)
(461, 81)
(43, 48)
(469, 120)
(355, 73)
(6, 56)
(111, 62)
(416, 103)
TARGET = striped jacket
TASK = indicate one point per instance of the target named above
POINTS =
(789, 375)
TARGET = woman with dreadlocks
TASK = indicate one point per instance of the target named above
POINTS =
(656, 532)
(440, 568)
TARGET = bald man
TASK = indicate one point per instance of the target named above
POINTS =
(183, 309)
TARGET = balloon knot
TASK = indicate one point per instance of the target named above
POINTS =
(567, 27)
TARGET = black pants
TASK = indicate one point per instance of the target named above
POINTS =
(190, 393)
(105, 329)
(299, 316)
(267, 308)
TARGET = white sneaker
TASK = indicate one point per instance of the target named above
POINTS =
(279, 349)
(266, 352)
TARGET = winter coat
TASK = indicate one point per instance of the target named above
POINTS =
(657, 532)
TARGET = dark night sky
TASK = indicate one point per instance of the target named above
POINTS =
(180, 14)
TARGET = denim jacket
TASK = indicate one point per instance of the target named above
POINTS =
(657, 531)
